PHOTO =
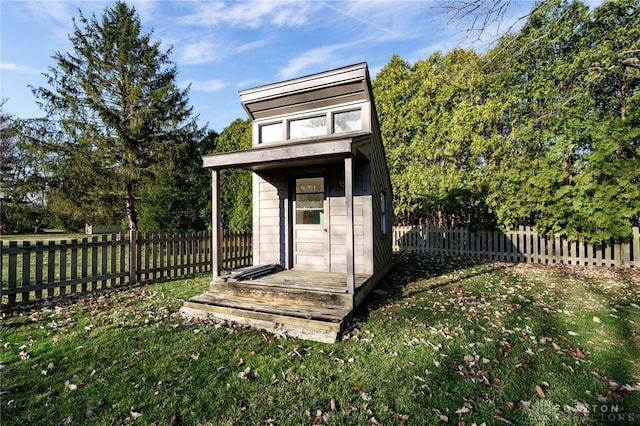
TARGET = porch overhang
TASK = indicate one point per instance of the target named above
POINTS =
(298, 154)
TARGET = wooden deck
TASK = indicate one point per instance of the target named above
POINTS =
(307, 304)
(318, 281)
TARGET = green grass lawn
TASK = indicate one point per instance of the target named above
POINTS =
(446, 341)
(48, 235)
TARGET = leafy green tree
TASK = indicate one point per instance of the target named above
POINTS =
(393, 88)
(235, 184)
(113, 112)
(21, 203)
(569, 159)
(542, 130)
(432, 132)
(177, 199)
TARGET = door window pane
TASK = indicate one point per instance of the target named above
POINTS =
(310, 201)
(347, 121)
(306, 127)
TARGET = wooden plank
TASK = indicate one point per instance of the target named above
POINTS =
(216, 235)
(12, 270)
(74, 265)
(51, 265)
(198, 253)
(94, 263)
(113, 262)
(124, 252)
(531, 239)
(103, 260)
(617, 251)
(162, 251)
(63, 267)
(26, 271)
(310, 311)
(536, 248)
(46, 286)
(626, 252)
(84, 263)
(39, 269)
(348, 196)
(603, 254)
(583, 252)
(181, 248)
(133, 256)
(279, 324)
(572, 250)
(636, 246)
(264, 155)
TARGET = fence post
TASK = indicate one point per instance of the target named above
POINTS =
(133, 256)
(636, 246)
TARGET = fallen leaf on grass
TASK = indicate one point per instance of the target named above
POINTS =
(540, 392)
(463, 410)
(317, 419)
(66, 421)
(577, 353)
(331, 405)
(244, 374)
(402, 418)
(135, 415)
(441, 416)
(503, 420)
(23, 353)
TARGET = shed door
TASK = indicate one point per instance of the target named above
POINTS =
(310, 236)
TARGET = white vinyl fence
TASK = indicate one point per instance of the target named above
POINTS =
(522, 245)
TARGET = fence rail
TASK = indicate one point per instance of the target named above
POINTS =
(31, 270)
(522, 245)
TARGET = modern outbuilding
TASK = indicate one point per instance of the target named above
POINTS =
(321, 207)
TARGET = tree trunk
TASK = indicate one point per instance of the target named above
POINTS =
(131, 209)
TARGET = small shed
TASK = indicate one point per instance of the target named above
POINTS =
(321, 207)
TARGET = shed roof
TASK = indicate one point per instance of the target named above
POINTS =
(341, 85)
(297, 154)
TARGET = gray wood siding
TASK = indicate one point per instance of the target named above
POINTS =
(382, 250)
(362, 220)
(270, 200)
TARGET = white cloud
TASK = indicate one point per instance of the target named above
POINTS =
(208, 86)
(317, 59)
(202, 52)
(251, 14)
(386, 20)
(145, 9)
(8, 66)
(252, 45)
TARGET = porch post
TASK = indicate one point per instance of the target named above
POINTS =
(348, 197)
(215, 223)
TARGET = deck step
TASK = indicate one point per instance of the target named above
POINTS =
(284, 294)
(321, 323)
(332, 313)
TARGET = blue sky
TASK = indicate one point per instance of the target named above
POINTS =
(221, 47)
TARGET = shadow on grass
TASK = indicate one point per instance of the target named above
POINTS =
(557, 340)
(409, 268)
